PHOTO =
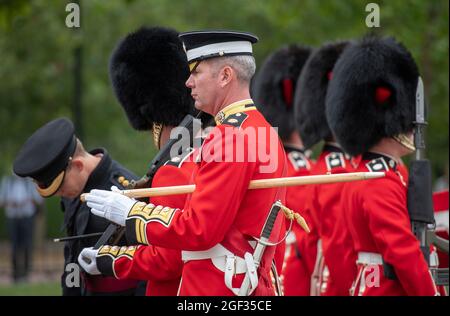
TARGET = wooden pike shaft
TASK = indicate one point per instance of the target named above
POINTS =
(257, 184)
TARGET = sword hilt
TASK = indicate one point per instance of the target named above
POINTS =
(270, 221)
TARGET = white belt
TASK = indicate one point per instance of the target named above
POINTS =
(227, 262)
(369, 258)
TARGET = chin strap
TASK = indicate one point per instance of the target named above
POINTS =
(157, 129)
(405, 141)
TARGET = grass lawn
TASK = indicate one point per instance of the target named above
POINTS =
(35, 289)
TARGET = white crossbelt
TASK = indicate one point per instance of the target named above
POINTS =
(227, 262)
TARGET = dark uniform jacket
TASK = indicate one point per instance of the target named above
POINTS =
(79, 220)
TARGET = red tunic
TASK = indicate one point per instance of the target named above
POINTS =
(378, 221)
(296, 280)
(222, 203)
(322, 210)
(161, 267)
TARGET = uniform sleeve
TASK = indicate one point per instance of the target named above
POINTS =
(389, 224)
(149, 263)
(220, 187)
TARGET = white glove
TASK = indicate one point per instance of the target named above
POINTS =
(88, 260)
(111, 205)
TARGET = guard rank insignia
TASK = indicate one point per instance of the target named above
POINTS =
(298, 160)
(335, 160)
(236, 119)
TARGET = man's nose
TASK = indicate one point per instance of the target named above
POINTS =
(189, 82)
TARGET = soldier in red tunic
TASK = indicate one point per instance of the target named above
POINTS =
(217, 227)
(329, 267)
(273, 89)
(370, 108)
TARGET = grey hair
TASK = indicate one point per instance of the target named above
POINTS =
(243, 65)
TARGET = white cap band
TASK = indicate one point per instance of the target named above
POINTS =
(226, 48)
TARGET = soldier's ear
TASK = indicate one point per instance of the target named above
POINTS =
(77, 164)
(225, 76)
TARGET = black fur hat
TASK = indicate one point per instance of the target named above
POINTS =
(148, 70)
(273, 87)
(372, 94)
(309, 103)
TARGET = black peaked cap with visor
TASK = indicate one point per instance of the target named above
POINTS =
(46, 155)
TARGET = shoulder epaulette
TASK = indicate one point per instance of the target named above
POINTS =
(236, 119)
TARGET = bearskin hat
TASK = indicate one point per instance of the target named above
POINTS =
(273, 87)
(148, 70)
(309, 103)
(372, 94)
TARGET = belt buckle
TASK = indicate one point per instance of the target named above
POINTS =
(231, 264)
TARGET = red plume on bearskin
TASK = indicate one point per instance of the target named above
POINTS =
(273, 87)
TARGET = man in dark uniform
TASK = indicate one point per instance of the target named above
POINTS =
(273, 89)
(55, 158)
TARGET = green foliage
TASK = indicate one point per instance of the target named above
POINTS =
(36, 53)
(35, 289)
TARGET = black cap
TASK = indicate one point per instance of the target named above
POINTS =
(309, 103)
(273, 87)
(372, 94)
(206, 44)
(46, 154)
(148, 70)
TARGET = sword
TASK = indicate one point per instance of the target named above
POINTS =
(260, 247)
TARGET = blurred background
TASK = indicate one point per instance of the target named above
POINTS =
(48, 70)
